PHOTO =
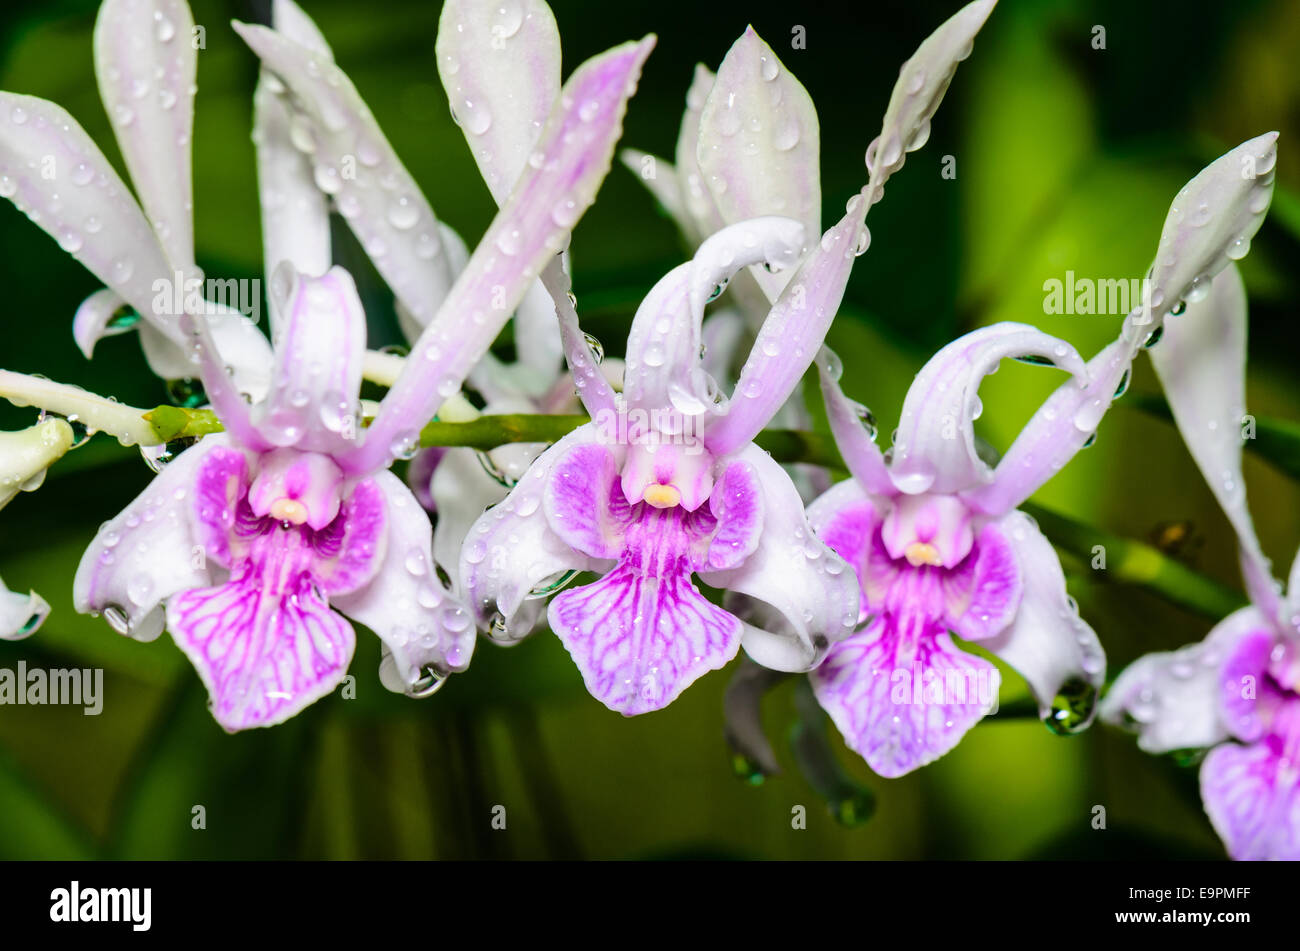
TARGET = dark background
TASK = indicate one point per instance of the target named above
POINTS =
(1067, 158)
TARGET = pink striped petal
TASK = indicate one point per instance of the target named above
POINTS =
(902, 704)
(264, 648)
(1252, 796)
(643, 633)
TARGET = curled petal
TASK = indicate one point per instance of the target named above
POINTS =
(1063, 425)
(20, 614)
(1253, 800)
(84, 206)
(855, 442)
(94, 320)
(1201, 362)
(935, 446)
(1048, 643)
(354, 162)
(150, 551)
(921, 84)
(512, 548)
(759, 144)
(532, 225)
(318, 358)
(500, 65)
(1211, 222)
(145, 62)
(663, 348)
(791, 335)
(796, 573)
(421, 623)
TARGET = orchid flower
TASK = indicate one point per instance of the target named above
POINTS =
(749, 145)
(932, 530)
(1237, 692)
(24, 457)
(665, 483)
(249, 544)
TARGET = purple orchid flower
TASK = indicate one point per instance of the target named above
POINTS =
(1237, 692)
(665, 483)
(933, 533)
(249, 545)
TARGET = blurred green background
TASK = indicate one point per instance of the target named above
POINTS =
(1067, 158)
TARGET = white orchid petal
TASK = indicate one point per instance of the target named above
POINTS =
(355, 163)
(84, 205)
(759, 144)
(1048, 643)
(149, 551)
(702, 214)
(1201, 363)
(1211, 222)
(145, 61)
(532, 226)
(500, 65)
(812, 593)
(421, 624)
(922, 82)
